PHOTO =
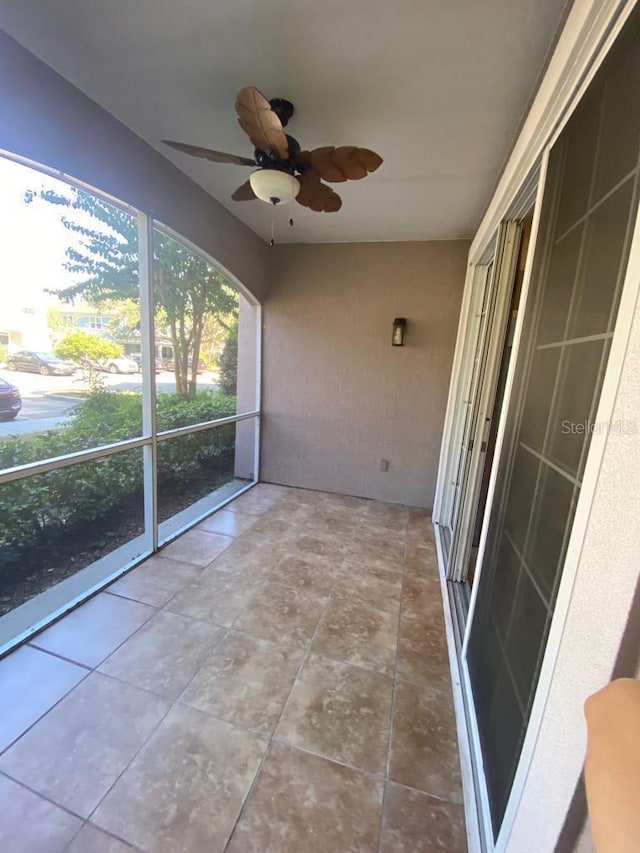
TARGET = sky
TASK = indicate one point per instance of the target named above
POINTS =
(32, 239)
(33, 244)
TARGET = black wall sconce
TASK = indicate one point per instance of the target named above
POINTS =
(399, 327)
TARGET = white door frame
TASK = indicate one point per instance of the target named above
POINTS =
(477, 320)
(505, 264)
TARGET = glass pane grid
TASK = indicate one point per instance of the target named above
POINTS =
(628, 178)
(549, 463)
(525, 568)
(605, 336)
(504, 664)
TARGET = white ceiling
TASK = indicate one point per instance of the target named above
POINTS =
(437, 87)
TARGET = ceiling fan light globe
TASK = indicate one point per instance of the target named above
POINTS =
(274, 186)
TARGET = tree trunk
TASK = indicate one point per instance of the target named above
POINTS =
(198, 328)
(178, 372)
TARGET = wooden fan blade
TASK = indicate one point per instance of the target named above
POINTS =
(316, 195)
(244, 193)
(329, 203)
(209, 154)
(346, 163)
(260, 123)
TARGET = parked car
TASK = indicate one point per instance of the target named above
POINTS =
(10, 400)
(122, 364)
(45, 363)
(138, 361)
(171, 365)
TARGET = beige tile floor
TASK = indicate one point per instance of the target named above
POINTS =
(275, 681)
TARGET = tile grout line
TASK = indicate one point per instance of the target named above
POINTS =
(357, 666)
(359, 516)
(58, 656)
(272, 737)
(75, 835)
(171, 703)
(278, 582)
(130, 762)
(376, 777)
(275, 739)
(428, 795)
(156, 610)
(43, 715)
(269, 738)
(249, 793)
(174, 702)
(383, 808)
(41, 796)
(107, 832)
(83, 820)
(89, 671)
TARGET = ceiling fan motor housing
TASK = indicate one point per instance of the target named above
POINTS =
(271, 161)
(283, 109)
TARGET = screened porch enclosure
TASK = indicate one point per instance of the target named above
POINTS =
(138, 450)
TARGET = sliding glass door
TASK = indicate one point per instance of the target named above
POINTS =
(588, 214)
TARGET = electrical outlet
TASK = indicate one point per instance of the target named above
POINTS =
(384, 464)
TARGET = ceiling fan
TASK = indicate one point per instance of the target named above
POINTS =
(285, 172)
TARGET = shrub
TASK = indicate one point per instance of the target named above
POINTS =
(179, 457)
(82, 346)
(36, 509)
(173, 411)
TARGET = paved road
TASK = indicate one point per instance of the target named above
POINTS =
(45, 406)
(39, 412)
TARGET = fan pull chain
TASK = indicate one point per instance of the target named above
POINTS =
(272, 241)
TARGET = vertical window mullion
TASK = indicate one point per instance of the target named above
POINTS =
(147, 352)
(258, 422)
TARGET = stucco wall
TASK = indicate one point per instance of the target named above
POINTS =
(337, 397)
(45, 118)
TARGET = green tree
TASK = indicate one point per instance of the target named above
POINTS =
(81, 347)
(214, 337)
(228, 363)
(125, 317)
(188, 290)
(55, 320)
